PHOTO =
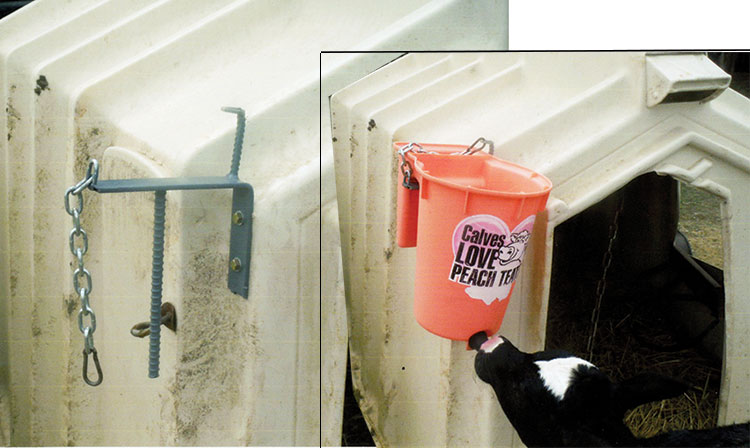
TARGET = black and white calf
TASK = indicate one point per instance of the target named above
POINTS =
(553, 398)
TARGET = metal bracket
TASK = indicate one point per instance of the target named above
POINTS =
(242, 205)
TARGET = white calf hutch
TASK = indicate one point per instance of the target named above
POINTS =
(591, 123)
(139, 86)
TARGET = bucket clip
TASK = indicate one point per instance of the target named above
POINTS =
(406, 168)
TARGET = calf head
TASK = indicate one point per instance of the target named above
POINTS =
(553, 398)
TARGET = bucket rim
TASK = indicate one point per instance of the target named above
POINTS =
(545, 190)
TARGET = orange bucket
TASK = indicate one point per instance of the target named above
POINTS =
(470, 217)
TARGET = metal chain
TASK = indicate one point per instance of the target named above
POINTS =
(601, 286)
(406, 169)
(79, 245)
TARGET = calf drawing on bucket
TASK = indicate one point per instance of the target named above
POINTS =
(553, 398)
(513, 252)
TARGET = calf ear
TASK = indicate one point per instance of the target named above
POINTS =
(646, 387)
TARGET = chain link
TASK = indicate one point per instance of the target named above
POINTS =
(601, 285)
(79, 245)
(85, 238)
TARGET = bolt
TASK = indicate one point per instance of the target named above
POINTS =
(238, 218)
(235, 264)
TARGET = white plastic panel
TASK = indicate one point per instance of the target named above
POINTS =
(581, 119)
(462, 25)
(139, 86)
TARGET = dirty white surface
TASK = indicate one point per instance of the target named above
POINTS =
(581, 120)
(139, 86)
(488, 28)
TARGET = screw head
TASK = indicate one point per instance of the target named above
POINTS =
(235, 264)
(238, 218)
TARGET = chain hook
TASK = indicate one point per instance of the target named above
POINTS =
(100, 376)
(406, 168)
(474, 148)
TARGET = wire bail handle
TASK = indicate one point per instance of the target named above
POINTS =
(406, 168)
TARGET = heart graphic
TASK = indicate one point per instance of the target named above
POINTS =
(487, 255)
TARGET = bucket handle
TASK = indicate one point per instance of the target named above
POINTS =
(406, 168)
